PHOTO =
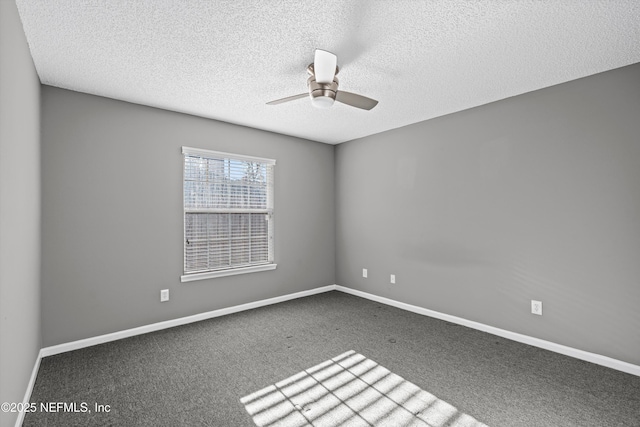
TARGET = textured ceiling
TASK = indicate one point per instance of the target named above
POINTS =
(420, 59)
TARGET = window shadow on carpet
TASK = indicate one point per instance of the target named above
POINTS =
(350, 390)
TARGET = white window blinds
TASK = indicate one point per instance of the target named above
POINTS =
(228, 211)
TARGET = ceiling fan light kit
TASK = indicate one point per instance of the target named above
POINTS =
(323, 95)
(323, 85)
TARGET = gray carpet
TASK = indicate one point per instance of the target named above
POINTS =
(350, 390)
(196, 374)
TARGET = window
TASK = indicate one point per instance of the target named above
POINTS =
(228, 214)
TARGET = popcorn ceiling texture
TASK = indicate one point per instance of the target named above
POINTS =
(421, 59)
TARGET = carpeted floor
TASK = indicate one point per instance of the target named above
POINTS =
(350, 390)
(197, 374)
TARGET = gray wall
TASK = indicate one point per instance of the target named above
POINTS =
(479, 212)
(19, 210)
(112, 215)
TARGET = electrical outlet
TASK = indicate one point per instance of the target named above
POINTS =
(364, 273)
(164, 295)
(393, 279)
(536, 307)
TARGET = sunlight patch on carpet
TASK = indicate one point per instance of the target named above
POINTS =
(350, 390)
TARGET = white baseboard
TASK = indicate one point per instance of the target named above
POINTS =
(88, 342)
(514, 336)
(525, 339)
(27, 394)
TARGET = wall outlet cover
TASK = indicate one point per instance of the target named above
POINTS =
(164, 295)
(536, 307)
(364, 273)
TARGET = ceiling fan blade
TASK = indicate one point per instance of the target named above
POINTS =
(355, 100)
(324, 65)
(288, 98)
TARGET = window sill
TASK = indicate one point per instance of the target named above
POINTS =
(230, 272)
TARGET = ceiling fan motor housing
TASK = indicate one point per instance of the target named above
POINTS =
(323, 95)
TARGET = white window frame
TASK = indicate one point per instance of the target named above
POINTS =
(270, 264)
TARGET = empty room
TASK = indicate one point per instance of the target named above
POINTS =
(338, 213)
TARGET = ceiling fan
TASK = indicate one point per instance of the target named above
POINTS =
(323, 85)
